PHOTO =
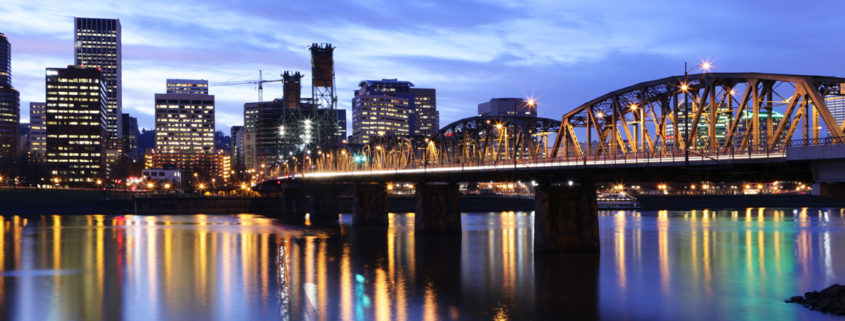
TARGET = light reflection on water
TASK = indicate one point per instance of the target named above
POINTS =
(701, 264)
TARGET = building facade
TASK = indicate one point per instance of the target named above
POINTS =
(37, 129)
(237, 150)
(130, 136)
(250, 128)
(836, 104)
(425, 118)
(98, 44)
(5, 60)
(381, 107)
(203, 167)
(9, 103)
(75, 124)
(390, 107)
(508, 107)
(184, 122)
(187, 86)
(273, 132)
(24, 139)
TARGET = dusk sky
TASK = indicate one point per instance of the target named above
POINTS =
(564, 53)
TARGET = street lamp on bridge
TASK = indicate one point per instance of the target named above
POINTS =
(705, 66)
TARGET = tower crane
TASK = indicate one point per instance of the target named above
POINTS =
(260, 83)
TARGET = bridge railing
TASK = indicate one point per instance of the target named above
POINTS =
(669, 155)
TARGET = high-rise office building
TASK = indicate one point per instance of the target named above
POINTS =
(97, 43)
(76, 124)
(9, 102)
(389, 107)
(130, 136)
(37, 129)
(508, 107)
(184, 121)
(426, 118)
(237, 149)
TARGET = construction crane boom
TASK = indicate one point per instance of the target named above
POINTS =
(260, 83)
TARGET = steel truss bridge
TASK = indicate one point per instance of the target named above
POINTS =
(713, 126)
(700, 120)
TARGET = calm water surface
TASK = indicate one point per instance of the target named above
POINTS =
(696, 265)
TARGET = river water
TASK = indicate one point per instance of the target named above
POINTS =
(691, 265)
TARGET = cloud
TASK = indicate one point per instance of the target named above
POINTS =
(564, 52)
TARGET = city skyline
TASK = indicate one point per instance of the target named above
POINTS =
(562, 54)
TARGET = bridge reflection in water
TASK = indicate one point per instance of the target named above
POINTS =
(666, 265)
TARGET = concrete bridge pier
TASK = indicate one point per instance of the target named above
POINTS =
(370, 205)
(438, 208)
(566, 218)
(293, 206)
(323, 206)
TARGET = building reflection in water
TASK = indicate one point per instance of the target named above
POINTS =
(722, 264)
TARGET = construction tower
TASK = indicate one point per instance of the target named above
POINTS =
(323, 94)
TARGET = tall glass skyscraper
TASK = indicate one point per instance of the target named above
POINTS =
(9, 102)
(97, 44)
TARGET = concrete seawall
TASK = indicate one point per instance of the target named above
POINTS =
(206, 205)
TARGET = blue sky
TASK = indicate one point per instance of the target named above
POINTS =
(562, 52)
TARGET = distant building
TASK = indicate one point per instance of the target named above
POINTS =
(9, 120)
(508, 107)
(9, 103)
(836, 104)
(98, 44)
(5, 60)
(76, 124)
(187, 86)
(184, 122)
(24, 138)
(746, 121)
(160, 176)
(37, 129)
(206, 166)
(340, 132)
(184, 133)
(130, 136)
(273, 132)
(250, 129)
(389, 107)
(237, 149)
(723, 121)
(426, 118)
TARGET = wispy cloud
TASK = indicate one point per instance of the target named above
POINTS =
(562, 51)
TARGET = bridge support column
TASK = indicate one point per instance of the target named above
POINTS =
(293, 206)
(832, 190)
(566, 218)
(370, 205)
(438, 208)
(323, 205)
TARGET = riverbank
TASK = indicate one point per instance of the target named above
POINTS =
(26, 201)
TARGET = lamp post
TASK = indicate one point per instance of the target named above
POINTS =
(704, 66)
